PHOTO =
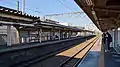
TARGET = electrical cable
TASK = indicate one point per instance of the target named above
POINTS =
(64, 5)
(70, 5)
(26, 7)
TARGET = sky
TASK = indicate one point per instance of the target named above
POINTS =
(48, 7)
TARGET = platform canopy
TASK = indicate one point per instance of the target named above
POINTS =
(23, 21)
(10, 16)
(104, 13)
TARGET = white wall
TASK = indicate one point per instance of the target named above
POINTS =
(3, 30)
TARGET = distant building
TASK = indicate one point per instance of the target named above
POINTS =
(66, 24)
(80, 27)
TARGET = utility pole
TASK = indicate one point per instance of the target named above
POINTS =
(23, 6)
(17, 6)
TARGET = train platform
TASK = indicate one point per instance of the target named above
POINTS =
(111, 59)
(4, 48)
(13, 56)
(97, 57)
(92, 57)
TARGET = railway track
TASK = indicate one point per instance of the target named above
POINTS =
(66, 62)
(30, 62)
(72, 62)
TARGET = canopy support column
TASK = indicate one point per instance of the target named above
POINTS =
(115, 37)
(40, 36)
(59, 35)
(9, 42)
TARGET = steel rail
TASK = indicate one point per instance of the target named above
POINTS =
(69, 59)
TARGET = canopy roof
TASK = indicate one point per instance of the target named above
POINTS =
(16, 18)
(105, 14)
(16, 12)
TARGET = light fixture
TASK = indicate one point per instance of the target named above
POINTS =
(94, 15)
(88, 2)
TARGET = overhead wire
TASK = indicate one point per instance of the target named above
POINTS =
(61, 2)
(70, 5)
(64, 5)
(26, 7)
(67, 6)
(7, 3)
(79, 15)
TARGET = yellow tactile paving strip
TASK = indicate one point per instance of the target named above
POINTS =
(70, 52)
(83, 52)
(97, 46)
(92, 57)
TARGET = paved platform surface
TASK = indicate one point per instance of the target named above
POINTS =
(111, 59)
(30, 45)
(99, 58)
(92, 57)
